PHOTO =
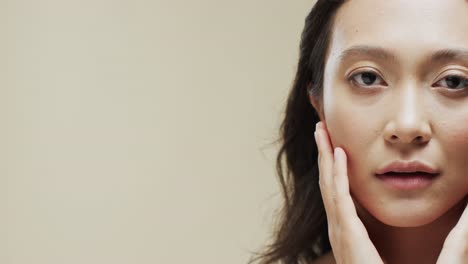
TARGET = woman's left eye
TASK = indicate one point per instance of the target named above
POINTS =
(454, 82)
(367, 78)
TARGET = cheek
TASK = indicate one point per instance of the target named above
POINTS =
(454, 142)
(351, 135)
(350, 123)
(349, 126)
(458, 135)
(351, 132)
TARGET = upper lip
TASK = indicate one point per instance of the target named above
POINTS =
(408, 166)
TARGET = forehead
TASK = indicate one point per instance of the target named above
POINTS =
(411, 30)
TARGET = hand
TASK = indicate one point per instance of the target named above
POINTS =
(348, 236)
(455, 249)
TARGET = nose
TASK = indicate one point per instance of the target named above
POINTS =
(409, 122)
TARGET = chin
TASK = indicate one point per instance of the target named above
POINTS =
(412, 213)
(407, 219)
(404, 213)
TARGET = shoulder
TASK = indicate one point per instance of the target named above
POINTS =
(325, 259)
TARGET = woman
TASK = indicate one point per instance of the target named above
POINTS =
(387, 83)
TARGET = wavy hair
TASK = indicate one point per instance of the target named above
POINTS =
(301, 232)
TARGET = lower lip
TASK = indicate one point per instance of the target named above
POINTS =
(407, 182)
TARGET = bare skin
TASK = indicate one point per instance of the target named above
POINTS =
(350, 238)
(409, 112)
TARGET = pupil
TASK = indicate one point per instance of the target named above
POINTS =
(368, 78)
(453, 81)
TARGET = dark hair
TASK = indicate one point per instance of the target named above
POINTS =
(301, 234)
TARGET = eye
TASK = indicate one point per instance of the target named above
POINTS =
(365, 78)
(454, 82)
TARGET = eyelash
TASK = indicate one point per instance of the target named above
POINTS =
(464, 80)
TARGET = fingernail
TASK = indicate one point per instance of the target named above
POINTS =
(336, 152)
(317, 125)
(317, 140)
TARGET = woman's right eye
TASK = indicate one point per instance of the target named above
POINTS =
(366, 78)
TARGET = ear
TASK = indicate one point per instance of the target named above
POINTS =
(317, 104)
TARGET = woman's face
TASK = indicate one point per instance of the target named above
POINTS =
(406, 106)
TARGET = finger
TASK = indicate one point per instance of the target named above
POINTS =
(462, 224)
(454, 248)
(345, 203)
(325, 164)
(325, 156)
(340, 173)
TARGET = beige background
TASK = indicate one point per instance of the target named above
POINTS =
(139, 131)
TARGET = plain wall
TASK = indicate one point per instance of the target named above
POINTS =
(140, 131)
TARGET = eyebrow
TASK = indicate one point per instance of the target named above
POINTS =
(442, 55)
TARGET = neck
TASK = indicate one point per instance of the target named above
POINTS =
(403, 245)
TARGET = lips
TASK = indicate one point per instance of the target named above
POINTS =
(414, 167)
(417, 174)
(412, 181)
(407, 173)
